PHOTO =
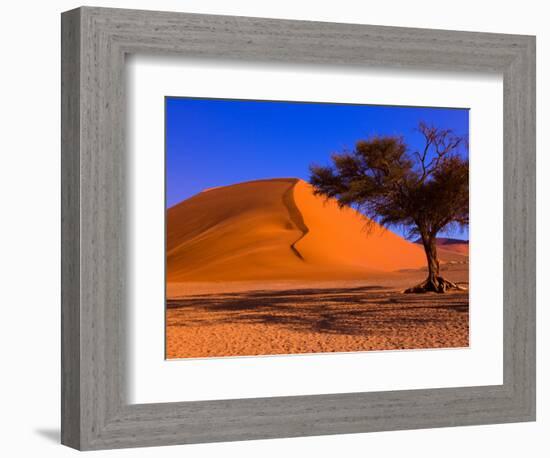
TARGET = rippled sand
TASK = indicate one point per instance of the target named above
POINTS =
(312, 318)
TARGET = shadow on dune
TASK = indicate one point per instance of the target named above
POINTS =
(345, 311)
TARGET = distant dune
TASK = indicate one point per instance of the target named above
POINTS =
(454, 245)
(277, 230)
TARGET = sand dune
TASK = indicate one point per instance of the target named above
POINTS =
(455, 245)
(447, 245)
(276, 230)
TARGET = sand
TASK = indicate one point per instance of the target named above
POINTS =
(266, 267)
(277, 229)
(454, 245)
(253, 318)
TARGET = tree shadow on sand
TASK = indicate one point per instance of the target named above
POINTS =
(344, 311)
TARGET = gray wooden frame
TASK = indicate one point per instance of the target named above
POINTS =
(95, 413)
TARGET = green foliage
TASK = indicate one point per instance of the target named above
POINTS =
(424, 191)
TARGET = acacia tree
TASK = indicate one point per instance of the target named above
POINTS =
(424, 191)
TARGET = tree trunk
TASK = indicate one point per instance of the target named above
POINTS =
(430, 248)
(435, 282)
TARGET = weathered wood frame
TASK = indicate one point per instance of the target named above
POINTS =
(95, 413)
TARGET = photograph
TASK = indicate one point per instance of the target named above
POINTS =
(296, 227)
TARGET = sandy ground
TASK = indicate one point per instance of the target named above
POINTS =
(267, 318)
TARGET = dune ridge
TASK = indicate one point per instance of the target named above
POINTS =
(295, 216)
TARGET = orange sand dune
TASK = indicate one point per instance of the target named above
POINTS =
(277, 229)
(447, 246)
(451, 250)
(457, 246)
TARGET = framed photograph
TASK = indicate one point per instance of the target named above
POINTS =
(275, 254)
(277, 228)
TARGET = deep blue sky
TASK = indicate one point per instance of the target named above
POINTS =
(212, 142)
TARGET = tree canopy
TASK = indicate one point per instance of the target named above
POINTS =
(424, 191)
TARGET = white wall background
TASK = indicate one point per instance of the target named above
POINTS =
(29, 229)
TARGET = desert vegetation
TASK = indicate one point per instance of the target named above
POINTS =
(424, 191)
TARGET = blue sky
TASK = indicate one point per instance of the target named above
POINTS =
(214, 142)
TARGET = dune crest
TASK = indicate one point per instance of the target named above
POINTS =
(277, 230)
